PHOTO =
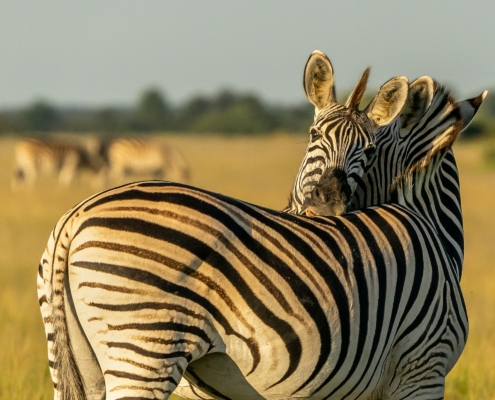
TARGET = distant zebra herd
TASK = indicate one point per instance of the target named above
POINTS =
(352, 292)
(115, 161)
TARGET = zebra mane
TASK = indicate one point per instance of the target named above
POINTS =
(455, 117)
(357, 94)
(415, 175)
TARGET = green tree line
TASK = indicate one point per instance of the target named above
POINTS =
(223, 112)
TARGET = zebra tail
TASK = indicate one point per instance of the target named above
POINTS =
(69, 385)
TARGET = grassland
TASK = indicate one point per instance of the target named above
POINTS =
(257, 169)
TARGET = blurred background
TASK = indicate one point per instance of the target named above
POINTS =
(211, 94)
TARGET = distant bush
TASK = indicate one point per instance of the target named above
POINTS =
(224, 112)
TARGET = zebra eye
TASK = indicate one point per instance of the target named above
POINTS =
(370, 148)
(314, 135)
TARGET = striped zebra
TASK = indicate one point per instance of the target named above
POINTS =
(131, 158)
(36, 157)
(64, 323)
(151, 281)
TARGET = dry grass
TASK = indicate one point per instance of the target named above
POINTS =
(260, 170)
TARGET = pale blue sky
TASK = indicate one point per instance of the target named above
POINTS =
(105, 52)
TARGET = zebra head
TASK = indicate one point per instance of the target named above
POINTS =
(427, 123)
(342, 137)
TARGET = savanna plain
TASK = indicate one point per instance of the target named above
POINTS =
(258, 169)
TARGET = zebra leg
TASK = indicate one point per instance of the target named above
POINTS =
(18, 178)
(159, 173)
(138, 359)
(24, 177)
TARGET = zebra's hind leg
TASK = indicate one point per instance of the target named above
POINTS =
(133, 380)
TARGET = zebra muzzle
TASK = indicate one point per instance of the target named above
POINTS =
(329, 196)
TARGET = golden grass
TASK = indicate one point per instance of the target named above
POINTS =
(258, 169)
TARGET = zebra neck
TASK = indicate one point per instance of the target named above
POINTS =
(433, 191)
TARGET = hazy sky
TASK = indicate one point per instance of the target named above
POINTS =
(105, 52)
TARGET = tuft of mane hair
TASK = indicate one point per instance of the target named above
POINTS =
(431, 161)
(357, 94)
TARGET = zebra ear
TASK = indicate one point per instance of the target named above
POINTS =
(318, 81)
(418, 100)
(468, 108)
(388, 102)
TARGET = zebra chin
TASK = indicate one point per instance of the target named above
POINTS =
(330, 196)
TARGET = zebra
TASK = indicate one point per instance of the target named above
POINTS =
(131, 157)
(350, 123)
(51, 156)
(63, 322)
(155, 280)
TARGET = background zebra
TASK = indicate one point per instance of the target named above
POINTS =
(64, 159)
(165, 277)
(132, 158)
